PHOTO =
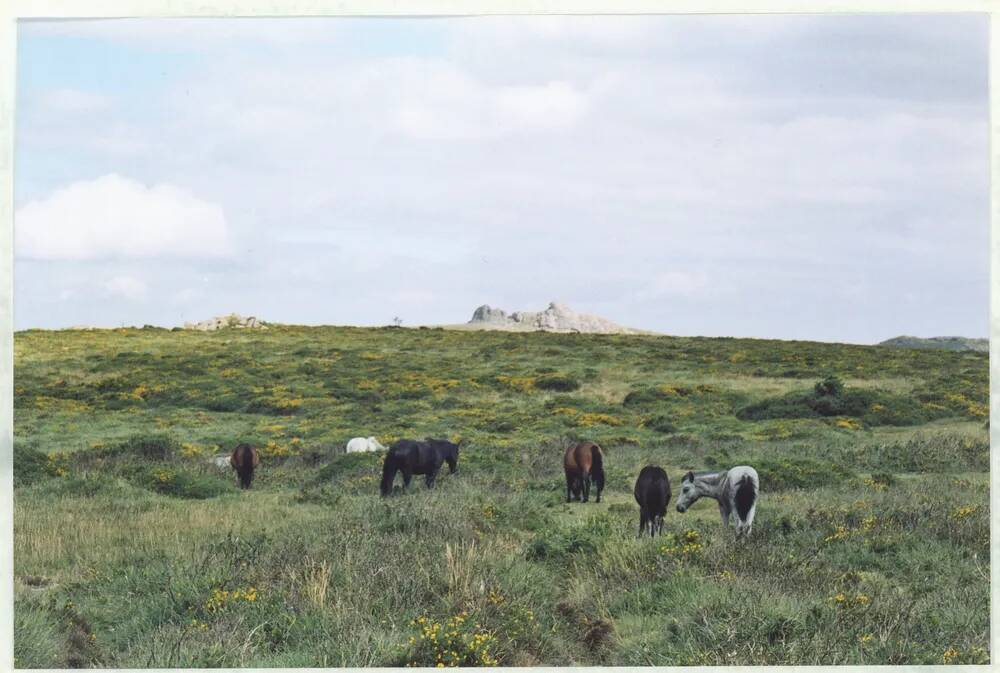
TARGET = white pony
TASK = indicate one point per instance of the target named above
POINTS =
(736, 491)
(361, 444)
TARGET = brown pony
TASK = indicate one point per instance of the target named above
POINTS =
(244, 460)
(583, 462)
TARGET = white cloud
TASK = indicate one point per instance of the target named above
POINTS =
(438, 101)
(114, 216)
(125, 286)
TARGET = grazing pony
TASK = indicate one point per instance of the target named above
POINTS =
(244, 460)
(361, 444)
(652, 492)
(412, 457)
(582, 463)
(735, 489)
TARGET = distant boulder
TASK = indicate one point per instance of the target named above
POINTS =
(949, 343)
(488, 314)
(556, 318)
(231, 321)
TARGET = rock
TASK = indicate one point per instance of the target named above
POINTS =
(487, 314)
(231, 321)
(949, 343)
(556, 318)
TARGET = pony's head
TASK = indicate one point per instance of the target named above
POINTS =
(689, 493)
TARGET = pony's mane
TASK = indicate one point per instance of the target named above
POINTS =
(704, 475)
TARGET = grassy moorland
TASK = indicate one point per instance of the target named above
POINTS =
(132, 549)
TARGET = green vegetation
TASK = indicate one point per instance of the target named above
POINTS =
(829, 398)
(132, 549)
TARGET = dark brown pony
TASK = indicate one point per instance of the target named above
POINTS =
(583, 463)
(244, 460)
(652, 492)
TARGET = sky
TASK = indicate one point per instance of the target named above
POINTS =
(794, 177)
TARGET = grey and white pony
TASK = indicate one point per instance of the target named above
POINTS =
(736, 491)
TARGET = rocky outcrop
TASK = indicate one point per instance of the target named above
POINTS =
(488, 314)
(940, 343)
(231, 321)
(555, 318)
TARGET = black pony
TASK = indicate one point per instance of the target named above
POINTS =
(652, 492)
(412, 457)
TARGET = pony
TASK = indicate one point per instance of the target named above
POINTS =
(361, 444)
(652, 492)
(244, 460)
(412, 457)
(736, 491)
(582, 463)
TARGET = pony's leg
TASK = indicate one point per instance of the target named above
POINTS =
(586, 487)
(429, 479)
(724, 512)
(407, 476)
(748, 526)
(569, 488)
(642, 523)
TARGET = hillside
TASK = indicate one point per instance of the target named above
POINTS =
(941, 343)
(133, 549)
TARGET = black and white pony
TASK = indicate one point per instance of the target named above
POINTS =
(736, 491)
(412, 457)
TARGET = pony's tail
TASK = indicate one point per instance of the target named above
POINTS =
(388, 475)
(596, 460)
(745, 497)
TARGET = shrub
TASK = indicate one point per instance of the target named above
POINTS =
(779, 474)
(30, 465)
(883, 478)
(660, 424)
(831, 386)
(557, 544)
(459, 641)
(225, 403)
(150, 447)
(182, 484)
(640, 397)
(557, 382)
(829, 399)
(924, 453)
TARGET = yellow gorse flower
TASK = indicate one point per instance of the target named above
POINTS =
(960, 513)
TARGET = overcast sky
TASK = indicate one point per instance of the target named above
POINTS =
(798, 177)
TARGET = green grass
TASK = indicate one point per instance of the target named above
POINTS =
(132, 549)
